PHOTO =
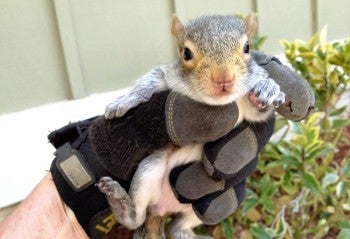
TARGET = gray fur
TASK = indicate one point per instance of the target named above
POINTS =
(216, 36)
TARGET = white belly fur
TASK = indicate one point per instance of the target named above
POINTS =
(166, 201)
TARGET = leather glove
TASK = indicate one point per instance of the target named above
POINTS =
(168, 118)
(215, 185)
(300, 99)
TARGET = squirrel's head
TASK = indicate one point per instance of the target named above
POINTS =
(214, 56)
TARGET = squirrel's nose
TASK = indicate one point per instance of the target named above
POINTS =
(224, 79)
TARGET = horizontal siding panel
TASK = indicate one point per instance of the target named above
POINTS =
(186, 9)
(120, 40)
(336, 15)
(32, 70)
(108, 44)
(283, 19)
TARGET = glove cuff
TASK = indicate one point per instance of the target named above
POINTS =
(74, 171)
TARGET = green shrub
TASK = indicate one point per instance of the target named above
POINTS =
(301, 188)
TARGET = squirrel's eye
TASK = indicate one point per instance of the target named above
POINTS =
(246, 47)
(188, 55)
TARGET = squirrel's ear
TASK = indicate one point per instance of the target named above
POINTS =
(177, 29)
(250, 24)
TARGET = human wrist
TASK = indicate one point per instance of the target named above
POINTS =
(42, 215)
(66, 222)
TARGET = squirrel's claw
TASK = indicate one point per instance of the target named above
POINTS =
(122, 105)
(267, 92)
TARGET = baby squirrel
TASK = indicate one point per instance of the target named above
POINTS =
(214, 67)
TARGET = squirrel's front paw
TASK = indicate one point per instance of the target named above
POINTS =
(267, 92)
(115, 109)
(122, 105)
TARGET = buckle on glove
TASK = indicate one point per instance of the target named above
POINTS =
(73, 167)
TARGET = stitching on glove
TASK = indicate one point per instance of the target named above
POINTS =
(172, 132)
(207, 165)
(233, 197)
(252, 139)
(221, 186)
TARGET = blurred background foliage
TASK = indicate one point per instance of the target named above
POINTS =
(301, 188)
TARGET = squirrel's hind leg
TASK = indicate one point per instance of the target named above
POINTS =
(121, 204)
(130, 209)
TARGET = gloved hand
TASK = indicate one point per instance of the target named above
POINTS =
(300, 98)
(216, 185)
(118, 145)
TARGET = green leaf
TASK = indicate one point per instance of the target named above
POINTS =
(315, 39)
(275, 169)
(249, 203)
(318, 68)
(261, 232)
(340, 123)
(338, 111)
(264, 183)
(313, 118)
(257, 42)
(323, 35)
(287, 185)
(344, 233)
(285, 44)
(271, 152)
(280, 227)
(227, 227)
(319, 151)
(317, 145)
(339, 189)
(343, 224)
(300, 140)
(312, 135)
(308, 55)
(329, 179)
(268, 204)
(345, 170)
(296, 127)
(336, 59)
(311, 183)
(342, 188)
(304, 49)
(289, 155)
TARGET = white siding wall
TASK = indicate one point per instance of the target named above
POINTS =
(53, 50)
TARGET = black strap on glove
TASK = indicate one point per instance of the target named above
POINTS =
(74, 171)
